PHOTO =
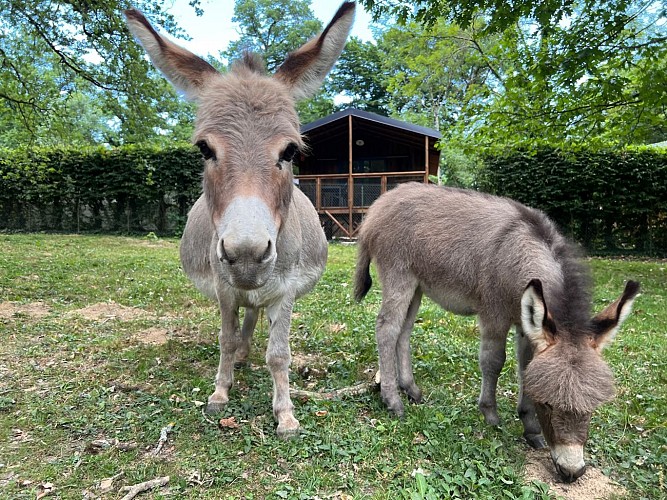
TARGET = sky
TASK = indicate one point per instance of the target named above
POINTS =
(213, 31)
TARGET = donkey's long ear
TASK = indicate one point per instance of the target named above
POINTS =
(304, 69)
(607, 323)
(535, 319)
(186, 71)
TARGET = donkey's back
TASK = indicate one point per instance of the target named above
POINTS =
(470, 252)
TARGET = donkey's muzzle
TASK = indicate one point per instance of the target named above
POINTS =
(570, 476)
(248, 266)
(569, 461)
(245, 252)
(247, 236)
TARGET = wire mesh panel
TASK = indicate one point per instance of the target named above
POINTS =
(366, 191)
(309, 188)
(392, 182)
(334, 193)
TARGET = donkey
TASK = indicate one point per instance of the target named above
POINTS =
(474, 253)
(251, 240)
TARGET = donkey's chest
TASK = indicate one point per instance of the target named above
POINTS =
(288, 283)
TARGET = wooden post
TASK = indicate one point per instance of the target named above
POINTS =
(426, 158)
(318, 193)
(350, 180)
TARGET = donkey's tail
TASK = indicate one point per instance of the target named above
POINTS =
(362, 275)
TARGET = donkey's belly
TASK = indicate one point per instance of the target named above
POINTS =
(451, 301)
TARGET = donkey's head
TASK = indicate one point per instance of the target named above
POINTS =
(247, 130)
(567, 378)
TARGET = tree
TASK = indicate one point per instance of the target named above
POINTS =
(499, 14)
(55, 55)
(358, 76)
(272, 28)
(435, 72)
(585, 82)
(580, 71)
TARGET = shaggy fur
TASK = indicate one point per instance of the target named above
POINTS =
(478, 254)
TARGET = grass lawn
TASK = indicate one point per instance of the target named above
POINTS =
(104, 343)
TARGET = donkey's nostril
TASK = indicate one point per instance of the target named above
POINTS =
(267, 253)
(569, 476)
(222, 253)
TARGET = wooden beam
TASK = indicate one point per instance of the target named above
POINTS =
(347, 233)
(350, 180)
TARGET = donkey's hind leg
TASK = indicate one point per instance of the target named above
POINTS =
(243, 349)
(491, 360)
(406, 378)
(397, 295)
(526, 409)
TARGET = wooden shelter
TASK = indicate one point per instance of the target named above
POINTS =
(354, 157)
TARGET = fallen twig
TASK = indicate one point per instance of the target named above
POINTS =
(133, 491)
(164, 433)
(354, 390)
(203, 414)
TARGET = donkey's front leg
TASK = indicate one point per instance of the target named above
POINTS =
(228, 340)
(526, 409)
(278, 359)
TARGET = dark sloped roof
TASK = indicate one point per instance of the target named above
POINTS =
(366, 115)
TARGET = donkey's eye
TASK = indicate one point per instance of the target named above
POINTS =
(288, 154)
(206, 152)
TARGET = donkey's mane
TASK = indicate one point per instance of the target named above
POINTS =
(570, 306)
(249, 61)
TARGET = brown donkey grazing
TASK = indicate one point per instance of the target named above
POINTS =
(251, 239)
(474, 253)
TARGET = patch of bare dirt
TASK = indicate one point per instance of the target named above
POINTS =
(152, 336)
(31, 310)
(593, 485)
(309, 366)
(150, 243)
(337, 327)
(104, 311)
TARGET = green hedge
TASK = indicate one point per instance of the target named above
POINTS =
(610, 201)
(128, 189)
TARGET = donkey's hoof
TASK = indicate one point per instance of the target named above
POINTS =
(415, 395)
(397, 410)
(216, 403)
(240, 363)
(490, 415)
(536, 441)
(288, 429)
(214, 407)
